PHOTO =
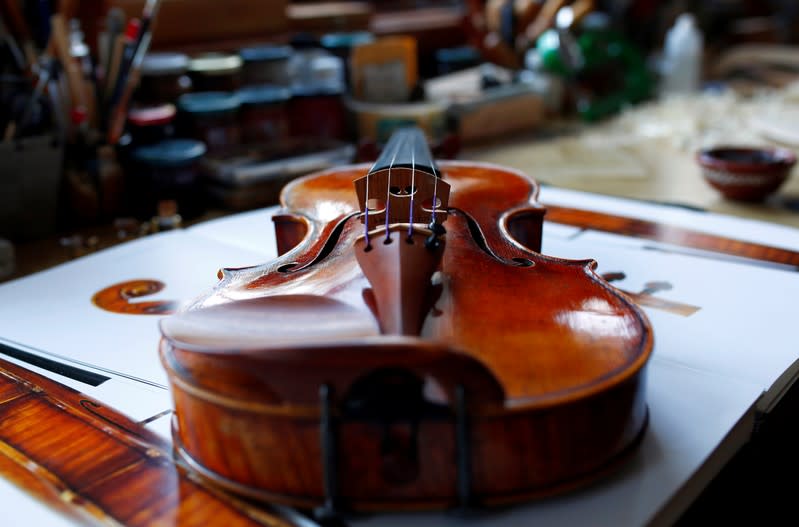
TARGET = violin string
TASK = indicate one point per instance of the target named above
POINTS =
(435, 191)
(366, 197)
(366, 208)
(366, 204)
(413, 188)
(388, 187)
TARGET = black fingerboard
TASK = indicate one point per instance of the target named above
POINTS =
(407, 148)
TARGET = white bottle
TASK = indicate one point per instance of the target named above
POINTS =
(681, 66)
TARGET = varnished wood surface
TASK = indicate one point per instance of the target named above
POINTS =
(568, 350)
(94, 464)
(45, 484)
(669, 234)
(487, 192)
(10, 461)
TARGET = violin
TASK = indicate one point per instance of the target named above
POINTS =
(409, 348)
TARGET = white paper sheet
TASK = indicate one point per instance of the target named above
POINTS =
(709, 368)
(52, 310)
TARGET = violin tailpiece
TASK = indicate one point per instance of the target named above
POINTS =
(400, 267)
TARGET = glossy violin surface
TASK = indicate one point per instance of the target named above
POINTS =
(411, 347)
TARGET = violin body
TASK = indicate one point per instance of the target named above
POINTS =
(388, 365)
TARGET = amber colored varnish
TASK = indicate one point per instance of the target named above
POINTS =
(664, 233)
(97, 466)
(550, 357)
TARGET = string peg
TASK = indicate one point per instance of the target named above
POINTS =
(432, 242)
(436, 231)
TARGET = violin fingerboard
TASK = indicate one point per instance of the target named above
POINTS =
(407, 148)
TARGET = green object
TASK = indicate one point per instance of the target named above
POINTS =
(548, 46)
(612, 72)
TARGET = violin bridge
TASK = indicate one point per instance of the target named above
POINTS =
(404, 194)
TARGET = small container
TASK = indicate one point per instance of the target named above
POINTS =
(341, 44)
(216, 72)
(167, 218)
(318, 111)
(211, 117)
(746, 173)
(317, 69)
(168, 170)
(264, 113)
(151, 124)
(268, 64)
(164, 78)
(681, 68)
(312, 65)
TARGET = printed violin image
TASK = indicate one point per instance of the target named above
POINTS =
(88, 479)
(646, 296)
(119, 298)
(409, 348)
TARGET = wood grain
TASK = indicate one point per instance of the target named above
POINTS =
(660, 232)
(97, 466)
(550, 357)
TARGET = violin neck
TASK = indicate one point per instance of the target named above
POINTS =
(407, 148)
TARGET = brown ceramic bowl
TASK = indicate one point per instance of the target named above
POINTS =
(746, 173)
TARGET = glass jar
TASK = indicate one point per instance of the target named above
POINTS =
(167, 170)
(211, 117)
(216, 72)
(318, 111)
(164, 78)
(151, 124)
(264, 113)
(268, 64)
(341, 44)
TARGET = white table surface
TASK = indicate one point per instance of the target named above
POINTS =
(708, 374)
